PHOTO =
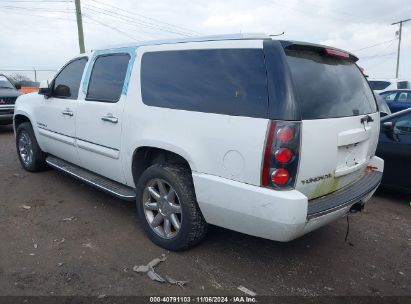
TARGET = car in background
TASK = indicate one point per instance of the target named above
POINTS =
(382, 85)
(397, 100)
(394, 146)
(8, 96)
(382, 105)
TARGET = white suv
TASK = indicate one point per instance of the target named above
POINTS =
(265, 137)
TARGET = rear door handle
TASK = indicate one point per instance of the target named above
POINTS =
(67, 112)
(110, 118)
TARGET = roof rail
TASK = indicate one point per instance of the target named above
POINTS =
(239, 36)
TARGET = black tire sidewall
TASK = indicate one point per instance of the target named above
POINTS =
(186, 199)
(37, 163)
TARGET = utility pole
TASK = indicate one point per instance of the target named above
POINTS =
(399, 43)
(35, 74)
(80, 27)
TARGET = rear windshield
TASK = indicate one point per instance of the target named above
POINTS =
(328, 87)
(379, 85)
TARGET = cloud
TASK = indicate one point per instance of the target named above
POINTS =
(46, 35)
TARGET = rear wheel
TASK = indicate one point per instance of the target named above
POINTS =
(168, 208)
(30, 155)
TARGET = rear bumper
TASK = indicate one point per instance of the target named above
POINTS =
(346, 196)
(276, 215)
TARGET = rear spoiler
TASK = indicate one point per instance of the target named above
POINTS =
(297, 45)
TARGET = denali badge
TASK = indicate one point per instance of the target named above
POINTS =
(316, 179)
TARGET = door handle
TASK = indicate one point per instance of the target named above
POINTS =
(67, 112)
(110, 118)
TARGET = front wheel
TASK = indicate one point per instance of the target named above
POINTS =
(167, 207)
(30, 155)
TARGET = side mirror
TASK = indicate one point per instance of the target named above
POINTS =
(17, 86)
(44, 88)
(62, 91)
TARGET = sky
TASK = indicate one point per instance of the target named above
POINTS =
(42, 34)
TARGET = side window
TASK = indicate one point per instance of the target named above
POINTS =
(107, 78)
(389, 97)
(222, 81)
(67, 82)
(404, 97)
(403, 125)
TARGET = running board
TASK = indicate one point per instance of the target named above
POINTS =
(93, 179)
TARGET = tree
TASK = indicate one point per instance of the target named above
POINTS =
(22, 80)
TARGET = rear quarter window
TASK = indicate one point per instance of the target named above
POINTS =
(328, 86)
(222, 81)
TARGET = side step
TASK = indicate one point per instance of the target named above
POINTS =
(93, 179)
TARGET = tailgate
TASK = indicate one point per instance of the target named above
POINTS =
(339, 118)
(334, 153)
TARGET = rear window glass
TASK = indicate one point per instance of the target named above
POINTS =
(222, 81)
(379, 85)
(328, 87)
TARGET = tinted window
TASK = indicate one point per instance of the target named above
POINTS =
(403, 85)
(328, 86)
(389, 96)
(403, 125)
(107, 78)
(404, 97)
(226, 81)
(67, 83)
(379, 85)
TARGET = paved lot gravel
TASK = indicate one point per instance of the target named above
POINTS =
(61, 237)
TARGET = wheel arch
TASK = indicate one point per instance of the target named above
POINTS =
(145, 156)
(20, 118)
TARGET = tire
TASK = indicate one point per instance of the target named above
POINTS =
(37, 160)
(175, 177)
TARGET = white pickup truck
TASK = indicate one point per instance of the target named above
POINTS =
(265, 137)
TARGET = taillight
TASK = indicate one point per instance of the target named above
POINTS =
(280, 176)
(281, 155)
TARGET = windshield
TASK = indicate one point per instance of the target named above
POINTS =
(378, 85)
(328, 86)
(5, 83)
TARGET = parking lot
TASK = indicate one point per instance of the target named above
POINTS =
(61, 237)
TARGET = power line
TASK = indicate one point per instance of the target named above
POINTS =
(129, 20)
(42, 16)
(148, 18)
(38, 1)
(110, 26)
(373, 45)
(90, 16)
(40, 9)
(377, 56)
